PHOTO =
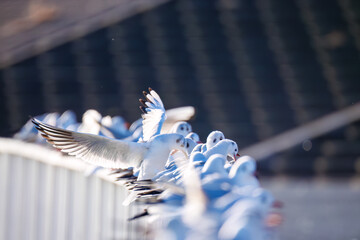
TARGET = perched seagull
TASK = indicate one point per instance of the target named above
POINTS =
(116, 126)
(213, 138)
(90, 122)
(214, 178)
(183, 128)
(214, 166)
(243, 172)
(175, 163)
(246, 218)
(66, 120)
(175, 115)
(194, 136)
(225, 147)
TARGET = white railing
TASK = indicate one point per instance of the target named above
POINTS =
(45, 195)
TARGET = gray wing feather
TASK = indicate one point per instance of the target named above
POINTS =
(98, 150)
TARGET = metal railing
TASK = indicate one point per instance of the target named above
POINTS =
(45, 195)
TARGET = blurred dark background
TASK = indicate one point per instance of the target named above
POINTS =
(252, 69)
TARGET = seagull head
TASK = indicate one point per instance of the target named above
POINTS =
(244, 166)
(91, 116)
(232, 150)
(106, 121)
(194, 136)
(174, 141)
(213, 138)
(189, 145)
(183, 128)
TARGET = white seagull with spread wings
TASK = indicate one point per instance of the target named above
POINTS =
(150, 155)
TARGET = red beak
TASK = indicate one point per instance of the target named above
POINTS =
(256, 174)
(277, 204)
(173, 152)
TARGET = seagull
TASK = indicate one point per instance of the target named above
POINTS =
(111, 153)
(90, 122)
(66, 120)
(245, 219)
(225, 147)
(214, 178)
(215, 165)
(149, 156)
(194, 136)
(175, 163)
(243, 172)
(183, 128)
(213, 138)
(116, 126)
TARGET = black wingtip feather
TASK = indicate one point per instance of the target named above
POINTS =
(145, 213)
(142, 101)
(34, 121)
(145, 95)
(142, 109)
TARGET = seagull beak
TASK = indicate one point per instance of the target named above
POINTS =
(183, 143)
(277, 204)
(99, 122)
(274, 220)
(256, 175)
(173, 152)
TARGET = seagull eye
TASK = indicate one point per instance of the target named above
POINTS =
(178, 140)
(187, 145)
(232, 143)
(221, 138)
(181, 128)
(214, 140)
(235, 149)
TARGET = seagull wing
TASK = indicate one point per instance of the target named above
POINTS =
(154, 114)
(98, 150)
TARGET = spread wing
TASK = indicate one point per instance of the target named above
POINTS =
(154, 114)
(97, 150)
